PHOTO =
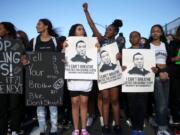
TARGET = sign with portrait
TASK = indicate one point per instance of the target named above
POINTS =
(81, 58)
(110, 72)
(139, 76)
(11, 70)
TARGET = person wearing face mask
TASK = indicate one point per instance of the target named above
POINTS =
(108, 95)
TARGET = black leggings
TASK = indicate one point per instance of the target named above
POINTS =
(175, 99)
(10, 109)
(137, 108)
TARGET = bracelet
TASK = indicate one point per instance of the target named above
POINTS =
(162, 70)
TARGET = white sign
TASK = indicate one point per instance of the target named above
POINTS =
(139, 76)
(81, 57)
(110, 72)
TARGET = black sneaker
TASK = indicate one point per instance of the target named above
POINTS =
(117, 129)
(106, 130)
(53, 133)
(42, 133)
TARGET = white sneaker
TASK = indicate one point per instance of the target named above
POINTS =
(171, 120)
(35, 131)
(101, 121)
(163, 132)
(14, 133)
(113, 123)
(152, 122)
(89, 121)
(129, 123)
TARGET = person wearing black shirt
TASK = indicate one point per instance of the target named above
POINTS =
(46, 41)
(174, 68)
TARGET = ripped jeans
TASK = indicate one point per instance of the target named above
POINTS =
(41, 114)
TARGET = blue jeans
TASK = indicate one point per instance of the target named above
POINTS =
(161, 96)
(41, 113)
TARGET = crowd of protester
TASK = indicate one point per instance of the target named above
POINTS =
(83, 99)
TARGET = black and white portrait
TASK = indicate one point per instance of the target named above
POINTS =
(106, 60)
(81, 57)
(110, 72)
(138, 74)
(138, 60)
(81, 53)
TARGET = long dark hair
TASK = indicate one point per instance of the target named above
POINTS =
(23, 37)
(73, 30)
(162, 37)
(10, 28)
(51, 31)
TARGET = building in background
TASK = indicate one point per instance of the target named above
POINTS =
(171, 27)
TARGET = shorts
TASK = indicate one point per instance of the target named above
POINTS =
(78, 93)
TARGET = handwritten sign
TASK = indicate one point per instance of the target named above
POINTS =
(44, 79)
(11, 67)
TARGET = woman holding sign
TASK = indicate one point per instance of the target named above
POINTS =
(46, 41)
(112, 94)
(79, 90)
(158, 43)
(11, 106)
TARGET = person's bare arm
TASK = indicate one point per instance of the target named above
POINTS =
(91, 22)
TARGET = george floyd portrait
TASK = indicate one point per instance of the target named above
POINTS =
(81, 53)
(106, 60)
(138, 69)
